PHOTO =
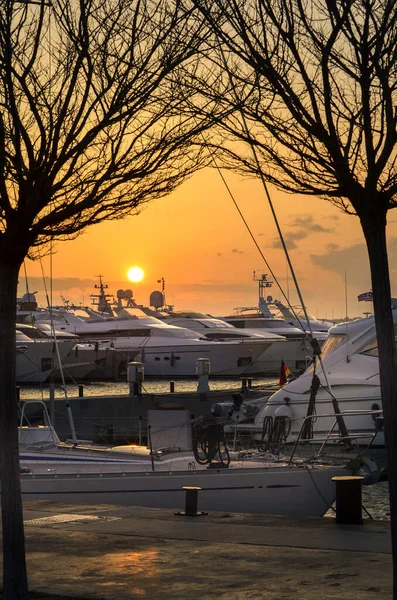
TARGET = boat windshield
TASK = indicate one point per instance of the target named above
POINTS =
(333, 342)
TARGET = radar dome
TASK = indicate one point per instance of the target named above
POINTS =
(128, 294)
(120, 293)
(156, 299)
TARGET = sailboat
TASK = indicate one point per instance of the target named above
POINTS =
(157, 476)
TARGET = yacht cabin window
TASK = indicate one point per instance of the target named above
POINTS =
(371, 349)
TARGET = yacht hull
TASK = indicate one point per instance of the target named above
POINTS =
(282, 490)
(227, 359)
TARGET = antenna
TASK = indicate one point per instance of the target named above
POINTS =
(162, 281)
(347, 321)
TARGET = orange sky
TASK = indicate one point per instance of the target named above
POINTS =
(197, 241)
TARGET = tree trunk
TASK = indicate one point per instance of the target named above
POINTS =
(15, 584)
(374, 228)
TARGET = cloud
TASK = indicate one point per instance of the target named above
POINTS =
(290, 238)
(353, 260)
(303, 226)
(306, 223)
(237, 251)
(219, 254)
(59, 284)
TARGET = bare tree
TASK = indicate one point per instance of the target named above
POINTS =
(93, 124)
(314, 87)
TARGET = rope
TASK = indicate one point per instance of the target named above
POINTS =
(274, 434)
(207, 439)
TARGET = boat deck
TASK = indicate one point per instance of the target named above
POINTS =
(108, 552)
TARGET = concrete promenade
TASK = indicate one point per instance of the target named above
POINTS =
(112, 552)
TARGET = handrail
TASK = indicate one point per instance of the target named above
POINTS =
(328, 435)
(46, 418)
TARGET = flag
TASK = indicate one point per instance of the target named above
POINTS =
(284, 373)
(366, 297)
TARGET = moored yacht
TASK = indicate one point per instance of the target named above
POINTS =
(165, 350)
(296, 353)
(350, 361)
(39, 348)
(217, 329)
(299, 320)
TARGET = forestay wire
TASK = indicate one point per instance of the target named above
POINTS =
(314, 342)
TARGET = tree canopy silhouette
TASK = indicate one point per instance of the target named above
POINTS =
(314, 90)
(93, 124)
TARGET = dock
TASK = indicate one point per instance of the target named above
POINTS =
(106, 552)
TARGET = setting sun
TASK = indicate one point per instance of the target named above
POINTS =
(135, 274)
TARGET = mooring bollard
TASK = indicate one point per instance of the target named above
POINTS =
(348, 499)
(191, 499)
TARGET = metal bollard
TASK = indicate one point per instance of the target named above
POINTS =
(191, 498)
(348, 499)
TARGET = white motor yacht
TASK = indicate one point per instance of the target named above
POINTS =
(296, 353)
(79, 360)
(350, 360)
(165, 350)
(36, 359)
(299, 320)
(217, 329)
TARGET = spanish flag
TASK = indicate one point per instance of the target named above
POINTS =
(284, 374)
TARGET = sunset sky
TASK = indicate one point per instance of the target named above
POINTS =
(196, 240)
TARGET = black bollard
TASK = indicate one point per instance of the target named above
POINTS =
(191, 499)
(172, 387)
(348, 499)
(81, 391)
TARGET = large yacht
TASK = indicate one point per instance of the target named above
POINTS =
(299, 319)
(297, 353)
(268, 363)
(350, 361)
(165, 350)
(39, 348)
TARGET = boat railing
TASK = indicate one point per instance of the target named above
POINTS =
(34, 435)
(330, 436)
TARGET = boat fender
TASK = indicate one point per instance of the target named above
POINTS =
(222, 409)
(370, 470)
